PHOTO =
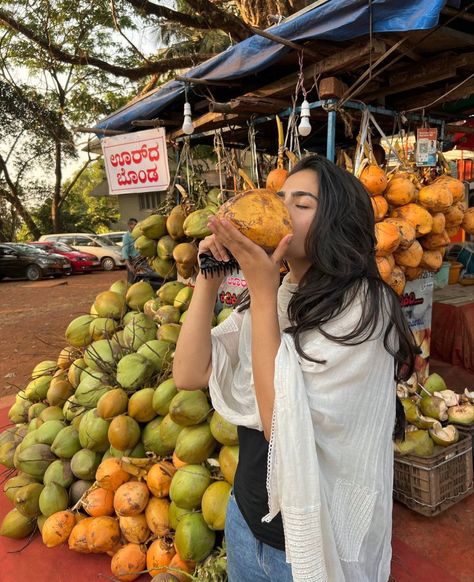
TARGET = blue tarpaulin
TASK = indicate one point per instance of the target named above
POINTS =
(334, 20)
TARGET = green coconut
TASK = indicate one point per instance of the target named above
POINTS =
(414, 416)
(89, 397)
(224, 314)
(78, 331)
(417, 442)
(139, 330)
(165, 268)
(52, 499)
(165, 247)
(154, 226)
(151, 438)
(16, 526)
(183, 317)
(175, 513)
(214, 504)
(163, 396)
(188, 486)
(138, 294)
(183, 299)
(194, 540)
(66, 443)
(434, 383)
(84, 464)
(137, 231)
(158, 353)
(103, 328)
(59, 392)
(47, 432)
(37, 389)
(35, 459)
(52, 413)
(120, 287)
(444, 436)
(60, 472)
(169, 332)
(28, 440)
(34, 424)
(167, 314)
(145, 246)
(461, 414)
(110, 304)
(44, 368)
(27, 499)
(93, 432)
(133, 371)
(77, 490)
(101, 355)
(127, 318)
(18, 412)
(72, 409)
(112, 403)
(7, 454)
(14, 484)
(91, 379)
(167, 292)
(169, 432)
(140, 405)
(195, 444)
(75, 370)
(223, 431)
(189, 407)
(434, 407)
(35, 410)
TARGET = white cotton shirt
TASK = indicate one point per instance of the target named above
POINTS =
(330, 464)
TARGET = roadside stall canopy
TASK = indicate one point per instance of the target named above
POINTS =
(325, 20)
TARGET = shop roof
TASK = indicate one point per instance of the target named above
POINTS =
(423, 52)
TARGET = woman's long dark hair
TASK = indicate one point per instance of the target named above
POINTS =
(341, 248)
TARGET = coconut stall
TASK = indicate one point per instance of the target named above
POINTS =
(104, 456)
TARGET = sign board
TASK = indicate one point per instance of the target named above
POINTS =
(417, 305)
(136, 162)
(426, 146)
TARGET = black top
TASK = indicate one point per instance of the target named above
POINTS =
(250, 488)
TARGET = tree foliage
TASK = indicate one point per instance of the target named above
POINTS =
(230, 21)
(80, 211)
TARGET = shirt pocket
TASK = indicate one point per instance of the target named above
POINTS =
(352, 510)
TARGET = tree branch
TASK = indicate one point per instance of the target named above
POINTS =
(212, 17)
(74, 180)
(132, 73)
(222, 19)
(14, 199)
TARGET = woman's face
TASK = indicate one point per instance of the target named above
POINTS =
(300, 195)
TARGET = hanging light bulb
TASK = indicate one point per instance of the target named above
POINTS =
(188, 127)
(304, 128)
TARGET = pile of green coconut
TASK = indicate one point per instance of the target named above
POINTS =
(110, 393)
(434, 415)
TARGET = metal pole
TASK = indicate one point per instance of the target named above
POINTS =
(331, 136)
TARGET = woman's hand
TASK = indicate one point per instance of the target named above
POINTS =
(261, 271)
(210, 244)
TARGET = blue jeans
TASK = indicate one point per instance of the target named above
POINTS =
(248, 559)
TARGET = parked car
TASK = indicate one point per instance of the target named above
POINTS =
(80, 262)
(105, 250)
(116, 237)
(22, 260)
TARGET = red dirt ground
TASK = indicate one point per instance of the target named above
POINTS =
(34, 317)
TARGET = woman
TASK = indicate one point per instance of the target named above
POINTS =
(306, 369)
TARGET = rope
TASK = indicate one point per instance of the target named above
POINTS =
(442, 96)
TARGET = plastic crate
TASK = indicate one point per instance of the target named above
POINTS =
(467, 429)
(429, 485)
